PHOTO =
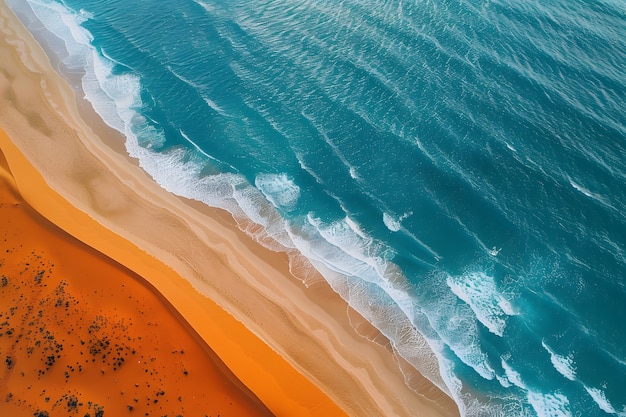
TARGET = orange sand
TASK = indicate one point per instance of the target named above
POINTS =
(80, 334)
(279, 385)
(294, 347)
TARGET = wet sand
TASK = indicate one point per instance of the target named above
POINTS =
(294, 347)
(80, 334)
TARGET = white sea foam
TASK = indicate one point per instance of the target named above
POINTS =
(511, 148)
(394, 224)
(513, 376)
(600, 399)
(84, 15)
(391, 223)
(508, 405)
(55, 19)
(504, 381)
(479, 291)
(549, 405)
(457, 327)
(279, 189)
(114, 97)
(563, 364)
(495, 251)
(369, 284)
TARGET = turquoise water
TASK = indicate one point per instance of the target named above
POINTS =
(455, 169)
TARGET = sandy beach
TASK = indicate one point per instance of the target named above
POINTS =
(293, 347)
(82, 334)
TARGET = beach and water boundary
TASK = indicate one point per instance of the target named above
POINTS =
(372, 367)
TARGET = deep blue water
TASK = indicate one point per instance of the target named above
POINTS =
(455, 167)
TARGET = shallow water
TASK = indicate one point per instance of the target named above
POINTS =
(455, 169)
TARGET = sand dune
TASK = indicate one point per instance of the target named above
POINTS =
(81, 334)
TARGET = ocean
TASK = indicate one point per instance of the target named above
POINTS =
(456, 170)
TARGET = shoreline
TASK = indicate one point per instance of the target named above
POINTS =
(317, 363)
